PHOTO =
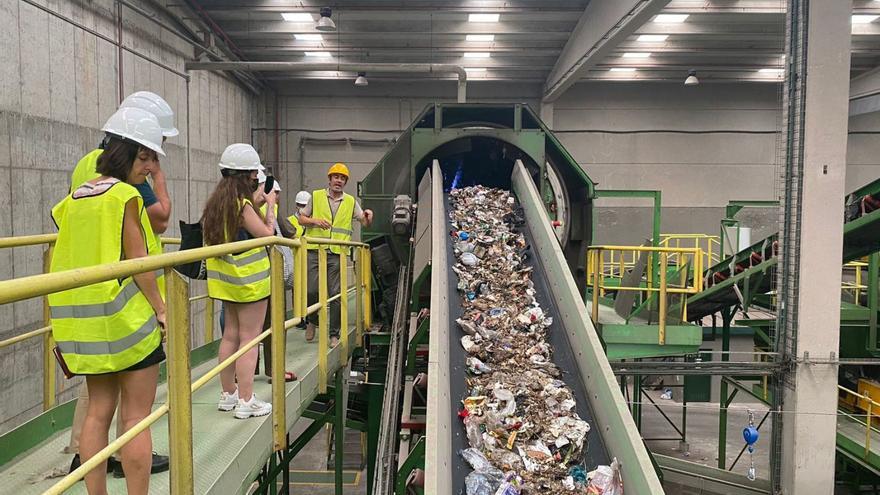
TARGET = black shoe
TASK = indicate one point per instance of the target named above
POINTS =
(112, 463)
(160, 465)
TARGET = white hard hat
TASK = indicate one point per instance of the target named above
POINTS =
(261, 178)
(154, 104)
(303, 197)
(241, 156)
(136, 125)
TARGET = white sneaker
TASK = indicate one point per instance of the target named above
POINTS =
(252, 408)
(228, 401)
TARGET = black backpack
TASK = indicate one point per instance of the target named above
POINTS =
(191, 238)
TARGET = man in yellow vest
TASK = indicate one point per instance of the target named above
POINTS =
(157, 204)
(330, 214)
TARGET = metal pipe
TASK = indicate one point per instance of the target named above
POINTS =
(329, 66)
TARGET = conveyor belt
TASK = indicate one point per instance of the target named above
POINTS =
(578, 352)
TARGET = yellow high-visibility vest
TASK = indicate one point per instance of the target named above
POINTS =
(340, 223)
(86, 170)
(108, 326)
(294, 220)
(263, 209)
(242, 277)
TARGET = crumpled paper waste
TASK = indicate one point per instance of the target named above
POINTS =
(520, 417)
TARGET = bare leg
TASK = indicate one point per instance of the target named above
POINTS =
(103, 393)
(250, 325)
(79, 417)
(229, 345)
(138, 393)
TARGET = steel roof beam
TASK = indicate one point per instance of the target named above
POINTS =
(603, 25)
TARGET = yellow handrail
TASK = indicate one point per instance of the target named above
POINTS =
(180, 385)
(596, 277)
(871, 404)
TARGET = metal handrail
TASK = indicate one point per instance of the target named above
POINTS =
(596, 278)
(180, 385)
(871, 404)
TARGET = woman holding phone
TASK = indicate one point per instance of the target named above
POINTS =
(240, 280)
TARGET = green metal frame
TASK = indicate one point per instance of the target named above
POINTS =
(415, 459)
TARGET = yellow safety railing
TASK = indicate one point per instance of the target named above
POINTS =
(46, 330)
(871, 407)
(685, 256)
(856, 286)
(710, 244)
(180, 384)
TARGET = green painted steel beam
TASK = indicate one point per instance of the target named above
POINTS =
(735, 205)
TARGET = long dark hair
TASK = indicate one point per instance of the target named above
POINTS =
(222, 214)
(118, 158)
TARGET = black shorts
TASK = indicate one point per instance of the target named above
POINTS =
(155, 357)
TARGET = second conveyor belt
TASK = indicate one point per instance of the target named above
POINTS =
(577, 351)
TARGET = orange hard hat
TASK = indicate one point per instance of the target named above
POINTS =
(338, 168)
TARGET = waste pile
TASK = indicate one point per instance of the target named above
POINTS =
(521, 418)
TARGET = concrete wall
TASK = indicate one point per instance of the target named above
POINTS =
(58, 85)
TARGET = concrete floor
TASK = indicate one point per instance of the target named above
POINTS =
(314, 458)
(702, 432)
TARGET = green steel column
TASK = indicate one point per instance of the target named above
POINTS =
(726, 317)
(637, 400)
(873, 275)
(375, 394)
(339, 426)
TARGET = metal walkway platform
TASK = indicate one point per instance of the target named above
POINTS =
(227, 453)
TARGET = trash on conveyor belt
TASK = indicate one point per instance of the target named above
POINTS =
(520, 418)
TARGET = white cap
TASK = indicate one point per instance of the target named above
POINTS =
(136, 125)
(303, 197)
(241, 156)
(261, 178)
(153, 103)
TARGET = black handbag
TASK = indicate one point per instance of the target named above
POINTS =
(191, 238)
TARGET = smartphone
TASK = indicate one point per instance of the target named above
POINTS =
(270, 183)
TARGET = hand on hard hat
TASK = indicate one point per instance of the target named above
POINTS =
(240, 156)
(137, 125)
(156, 105)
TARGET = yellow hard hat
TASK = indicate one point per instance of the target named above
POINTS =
(338, 168)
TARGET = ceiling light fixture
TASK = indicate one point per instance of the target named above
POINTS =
(297, 17)
(325, 23)
(671, 18)
(308, 37)
(636, 55)
(771, 70)
(361, 79)
(480, 37)
(475, 69)
(691, 78)
(484, 17)
(649, 38)
(622, 69)
(864, 19)
(318, 54)
(477, 54)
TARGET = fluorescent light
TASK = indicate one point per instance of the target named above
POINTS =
(477, 54)
(653, 37)
(864, 19)
(771, 70)
(483, 17)
(475, 69)
(636, 55)
(622, 69)
(318, 54)
(480, 37)
(309, 37)
(298, 17)
(670, 18)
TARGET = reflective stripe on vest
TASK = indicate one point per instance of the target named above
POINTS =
(240, 278)
(341, 222)
(108, 326)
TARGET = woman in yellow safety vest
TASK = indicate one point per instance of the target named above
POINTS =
(111, 331)
(241, 280)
